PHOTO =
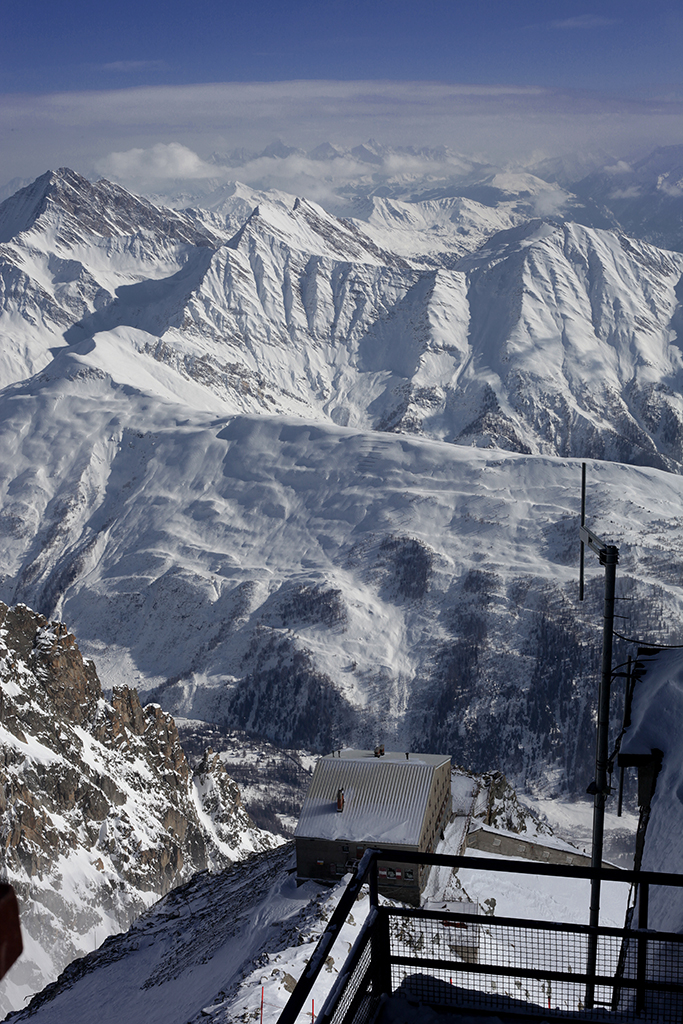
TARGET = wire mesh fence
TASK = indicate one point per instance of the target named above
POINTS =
(357, 994)
(455, 959)
(658, 962)
(532, 967)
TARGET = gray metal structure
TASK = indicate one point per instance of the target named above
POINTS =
(514, 969)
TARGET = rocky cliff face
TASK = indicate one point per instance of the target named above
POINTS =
(100, 813)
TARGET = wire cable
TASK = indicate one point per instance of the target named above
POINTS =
(648, 643)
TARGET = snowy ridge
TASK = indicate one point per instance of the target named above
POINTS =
(321, 585)
(541, 338)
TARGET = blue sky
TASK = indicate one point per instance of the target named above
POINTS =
(621, 47)
(81, 81)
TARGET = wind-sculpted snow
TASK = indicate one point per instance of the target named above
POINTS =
(289, 477)
(321, 585)
(542, 338)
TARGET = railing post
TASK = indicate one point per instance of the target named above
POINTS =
(381, 954)
(379, 949)
(373, 873)
(641, 970)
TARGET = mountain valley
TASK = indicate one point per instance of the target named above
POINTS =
(304, 477)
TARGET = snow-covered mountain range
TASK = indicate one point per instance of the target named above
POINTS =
(314, 477)
(447, 318)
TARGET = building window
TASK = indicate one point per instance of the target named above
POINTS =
(409, 875)
(345, 848)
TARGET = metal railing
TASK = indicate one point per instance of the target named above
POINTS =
(497, 964)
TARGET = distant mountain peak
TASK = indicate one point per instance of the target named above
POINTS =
(325, 151)
(367, 154)
(279, 149)
(101, 208)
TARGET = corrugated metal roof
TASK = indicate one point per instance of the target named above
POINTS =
(384, 798)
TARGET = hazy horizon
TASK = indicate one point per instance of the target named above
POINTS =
(101, 89)
(147, 137)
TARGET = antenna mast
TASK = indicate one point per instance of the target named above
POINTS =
(599, 789)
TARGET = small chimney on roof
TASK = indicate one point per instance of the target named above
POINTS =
(340, 800)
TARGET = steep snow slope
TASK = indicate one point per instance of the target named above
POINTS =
(318, 584)
(208, 950)
(436, 231)
(67, 246)
(100, 813)
(553, 339)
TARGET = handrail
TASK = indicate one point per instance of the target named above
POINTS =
(326, 941)
(368, 867)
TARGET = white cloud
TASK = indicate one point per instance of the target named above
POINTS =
(158, 167)
(632, 192)
(128, 66)
(620, 167)
(90, 130)
(585, 21)
(159, 163)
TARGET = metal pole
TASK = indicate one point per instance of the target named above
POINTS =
(609, 558)
(583, 523)
(373, 885)
(624, 723)
(641, 968)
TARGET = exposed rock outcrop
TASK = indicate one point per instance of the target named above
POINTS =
(100, 813)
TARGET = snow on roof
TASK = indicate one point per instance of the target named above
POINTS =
(350, 754)
(657, 724)
(552, 842)
(385, 798)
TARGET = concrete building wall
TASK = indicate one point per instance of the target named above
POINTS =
(438, 808)
(327, 861)
(514, 846)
